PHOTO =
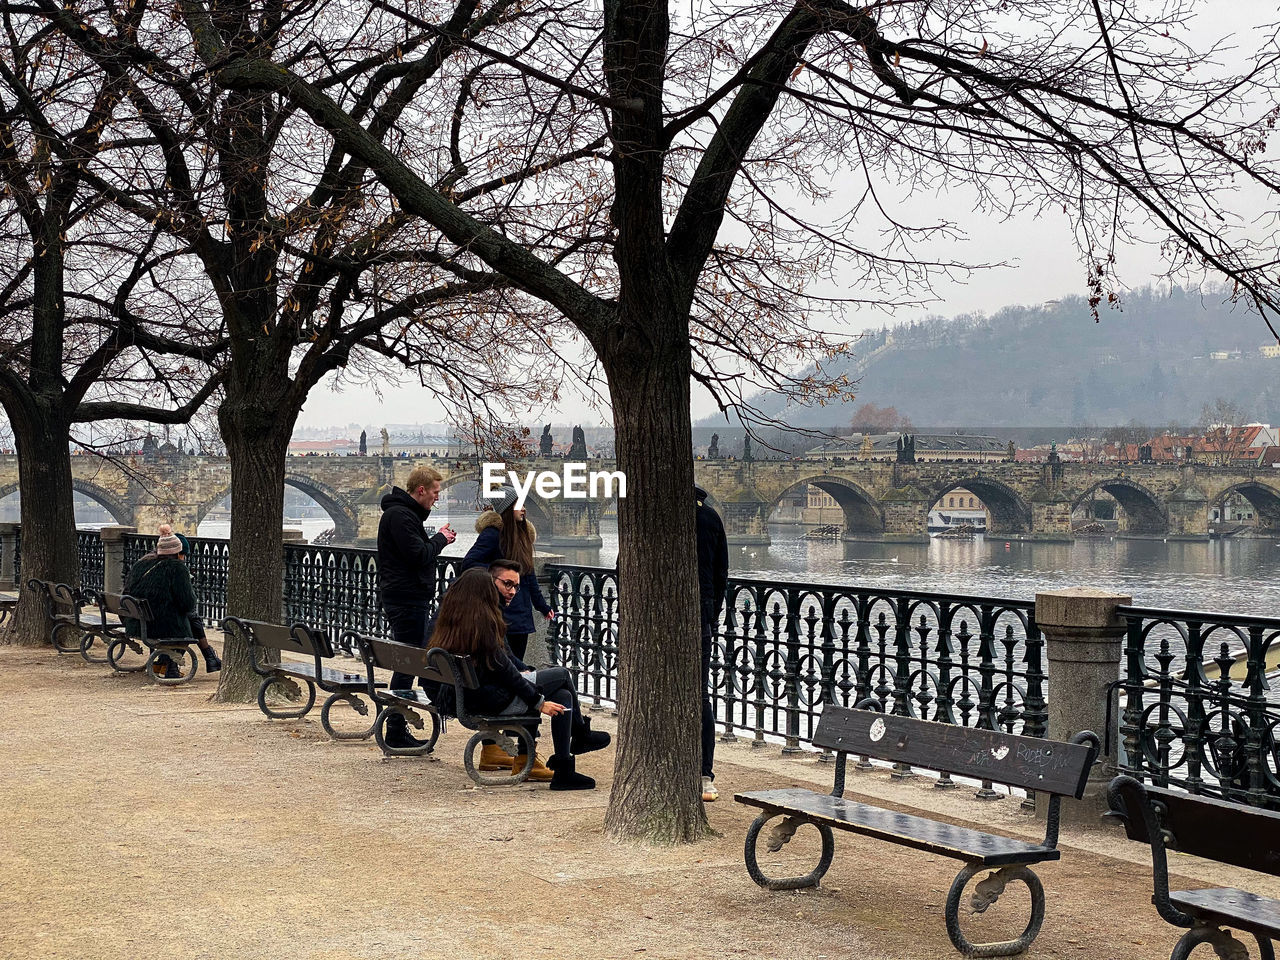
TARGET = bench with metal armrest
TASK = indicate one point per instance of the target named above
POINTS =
(266, 641)
(1206, 827)
(450, 670)
(1048, 767)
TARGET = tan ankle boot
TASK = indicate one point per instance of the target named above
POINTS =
(493, 757)
(540, 773)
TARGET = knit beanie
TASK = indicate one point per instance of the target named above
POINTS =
(504, 498)
(168, 545)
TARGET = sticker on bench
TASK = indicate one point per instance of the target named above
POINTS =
(877, 729)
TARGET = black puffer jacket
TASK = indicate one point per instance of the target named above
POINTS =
(713, 562)
(165, 583)
(406, 555)
(500, 684)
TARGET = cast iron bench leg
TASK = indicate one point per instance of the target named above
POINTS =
(87, 641)
(503, 735)
(413, 720)
(1224, 945)
(357, 704)
(180, 655)
(119, 647)
(67, 637)
(985, 893)
(781, 834)
(289, 687)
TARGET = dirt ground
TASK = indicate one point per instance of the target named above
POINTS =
(139, 821)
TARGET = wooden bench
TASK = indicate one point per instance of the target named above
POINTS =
(155, 652)
(71, 630)
(8, 603)
(445, 668)
(266, 641)
(1216, 830)
(1050, 768)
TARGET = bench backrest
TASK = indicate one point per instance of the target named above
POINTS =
(125, 606)
(1031, 763)
(299, 638)
(433, 664)
(59, 598)
(1203, 826)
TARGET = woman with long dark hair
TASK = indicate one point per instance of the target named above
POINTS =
(470, 623)
(507, 533)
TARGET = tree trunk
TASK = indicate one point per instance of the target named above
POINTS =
(256, 423)
(49, 549)
(656, 795)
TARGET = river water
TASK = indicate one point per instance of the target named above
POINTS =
(1224, 576)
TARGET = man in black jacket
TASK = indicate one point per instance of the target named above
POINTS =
(407, 572)
(713, 582)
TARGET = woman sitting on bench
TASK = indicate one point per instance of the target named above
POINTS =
(162, 579)
(470, 623)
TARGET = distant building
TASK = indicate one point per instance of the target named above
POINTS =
(1271, 351)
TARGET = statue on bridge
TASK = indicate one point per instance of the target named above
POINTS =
(906, 449)
(578, 450)
(386, 442)
(545, 442)
(713, 451)
(364, 444)
(746, 448)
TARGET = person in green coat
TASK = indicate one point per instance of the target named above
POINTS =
(163, 580)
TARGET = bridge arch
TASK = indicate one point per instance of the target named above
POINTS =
(1145, 513)
(1264, 499)
(863, 513)
(345, 525)
(1010, 512)
(121, 512)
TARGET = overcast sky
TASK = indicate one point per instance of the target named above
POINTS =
(1045, 267)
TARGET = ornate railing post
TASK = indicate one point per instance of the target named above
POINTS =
(1083, 635)
(113, 557)
(9, 534)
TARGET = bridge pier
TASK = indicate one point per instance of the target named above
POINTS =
(574, 524)
(746, 522)
(906, 515)
(183, 517)
(1188, 508)
(1051, 518)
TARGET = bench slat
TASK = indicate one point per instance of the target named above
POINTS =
(1031, 763)
(1236, 908)
(905, 829)
(307, 671)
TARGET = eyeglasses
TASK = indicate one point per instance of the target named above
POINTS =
(508, 584)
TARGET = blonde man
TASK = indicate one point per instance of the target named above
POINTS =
(407, 571)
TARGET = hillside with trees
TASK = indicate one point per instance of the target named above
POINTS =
(1150, 361)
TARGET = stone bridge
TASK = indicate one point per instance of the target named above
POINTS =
(881, 500)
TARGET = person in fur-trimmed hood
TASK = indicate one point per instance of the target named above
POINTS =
(507, 534)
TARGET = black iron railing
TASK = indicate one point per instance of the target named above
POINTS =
(782, 650)
(89, 544)
(1198, 709)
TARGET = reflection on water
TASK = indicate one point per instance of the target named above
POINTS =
(1227, 576)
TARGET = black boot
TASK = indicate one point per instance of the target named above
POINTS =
(567, 777)
(212, 662)
(396, 733)
(585, 740)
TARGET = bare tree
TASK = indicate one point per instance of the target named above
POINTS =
(1225, 437)
(309, 264)
(693, 243)
(85, 333)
